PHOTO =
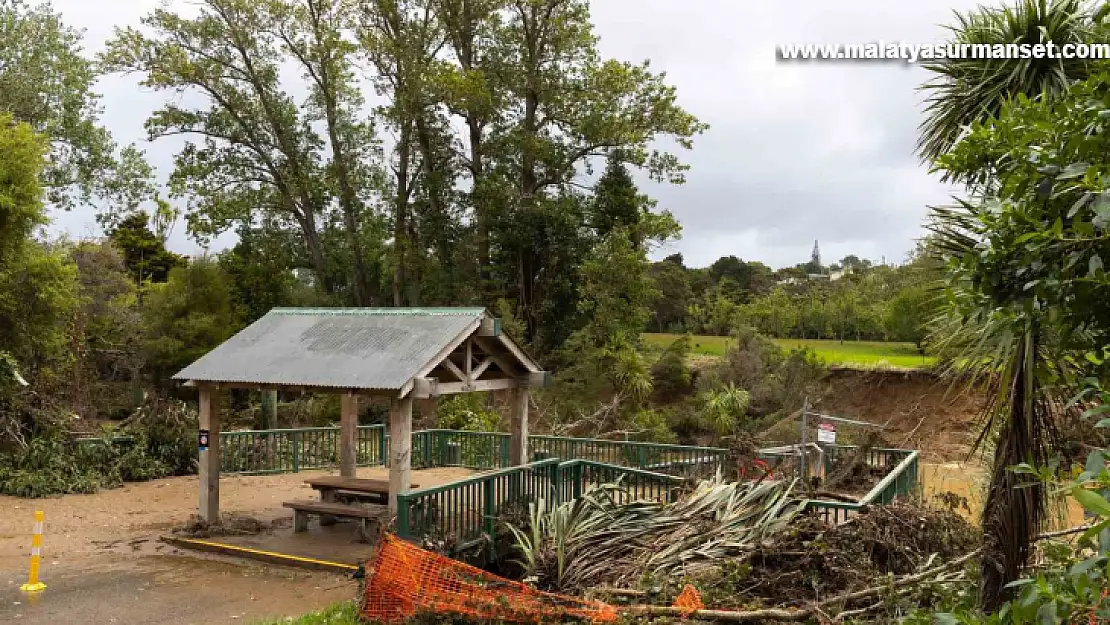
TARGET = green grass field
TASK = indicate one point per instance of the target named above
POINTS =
(863, 354)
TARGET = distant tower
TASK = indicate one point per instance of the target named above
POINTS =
(815, 258)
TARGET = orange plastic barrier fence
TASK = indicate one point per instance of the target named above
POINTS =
(404, 580)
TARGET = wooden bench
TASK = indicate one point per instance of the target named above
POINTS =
(369, 517)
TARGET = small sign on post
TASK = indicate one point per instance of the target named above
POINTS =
(826, 433)
(202, 440)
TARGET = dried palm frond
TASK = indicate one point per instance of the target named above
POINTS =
(608, 536)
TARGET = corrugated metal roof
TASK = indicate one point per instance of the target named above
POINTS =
(355, 348)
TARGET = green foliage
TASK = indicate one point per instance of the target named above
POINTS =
(467, 411)
(670, 375)
(146, 255)
(723, 408)
(47, 83)
(775, 381)
(21, 209)
(345, 613)
(187, 316)
(51, 465)
(108, 332)
(965, 90)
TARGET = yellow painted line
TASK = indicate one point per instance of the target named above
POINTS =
(269, 554)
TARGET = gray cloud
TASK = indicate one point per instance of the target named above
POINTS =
(797, 151)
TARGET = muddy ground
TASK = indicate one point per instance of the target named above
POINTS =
(103, 563)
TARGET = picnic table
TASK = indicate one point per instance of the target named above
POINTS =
(344, 497)
(333, 488)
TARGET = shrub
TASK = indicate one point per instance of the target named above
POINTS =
(51, 464)
(671, 376)
(467, 411)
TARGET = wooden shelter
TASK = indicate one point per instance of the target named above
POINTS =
(397, 353)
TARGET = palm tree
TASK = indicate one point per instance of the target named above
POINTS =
(995, 339)
(966, 90)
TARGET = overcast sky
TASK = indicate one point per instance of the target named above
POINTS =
(796, 151)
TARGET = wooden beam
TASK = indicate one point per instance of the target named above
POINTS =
(481, 368)
(348, 434)
(425, 388)
(447, 349)
(469, 368)
(497, 355)
(518, 438)
(454, 369)
(524, 359)
(491, 326)
(209, 459)
(400, 450)
(498, 384)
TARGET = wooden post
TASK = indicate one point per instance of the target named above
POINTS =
(209, 464)
(518, 440)
(348, 434)
(400, 449)
(269, 409)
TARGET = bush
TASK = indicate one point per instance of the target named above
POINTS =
(51, 465)
(467, 411)
(164, 433)
(671, 376)
(776, 381)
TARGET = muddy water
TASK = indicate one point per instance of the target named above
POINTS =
(968, 482)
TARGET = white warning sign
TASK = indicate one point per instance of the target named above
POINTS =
(826, 433)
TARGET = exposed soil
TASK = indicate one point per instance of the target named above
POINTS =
(917, 409)
(103, 562)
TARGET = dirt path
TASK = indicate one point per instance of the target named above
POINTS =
(102, 561)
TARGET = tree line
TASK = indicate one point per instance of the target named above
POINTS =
(853, 299)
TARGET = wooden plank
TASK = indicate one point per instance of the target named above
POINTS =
(209, 460)
(499, 384)
(348, 434)
(400, 450)
(518, 438)
(352, 483)
(336, 509)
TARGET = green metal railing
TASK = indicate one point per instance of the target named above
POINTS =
(464, 512)
(257, 452)
(900, 481)
(648, 470)
(490, 450)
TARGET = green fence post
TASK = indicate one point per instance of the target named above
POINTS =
(296, 450)
(382, 446)
(488, 488)
(577, 485)
(403, 525)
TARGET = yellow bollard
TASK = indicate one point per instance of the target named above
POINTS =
(33, 584)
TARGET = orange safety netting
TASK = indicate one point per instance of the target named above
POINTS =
(689, 600)
(403, 580)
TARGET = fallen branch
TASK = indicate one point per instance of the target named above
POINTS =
(780, 614)
(771, 614)
(1068, 532)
